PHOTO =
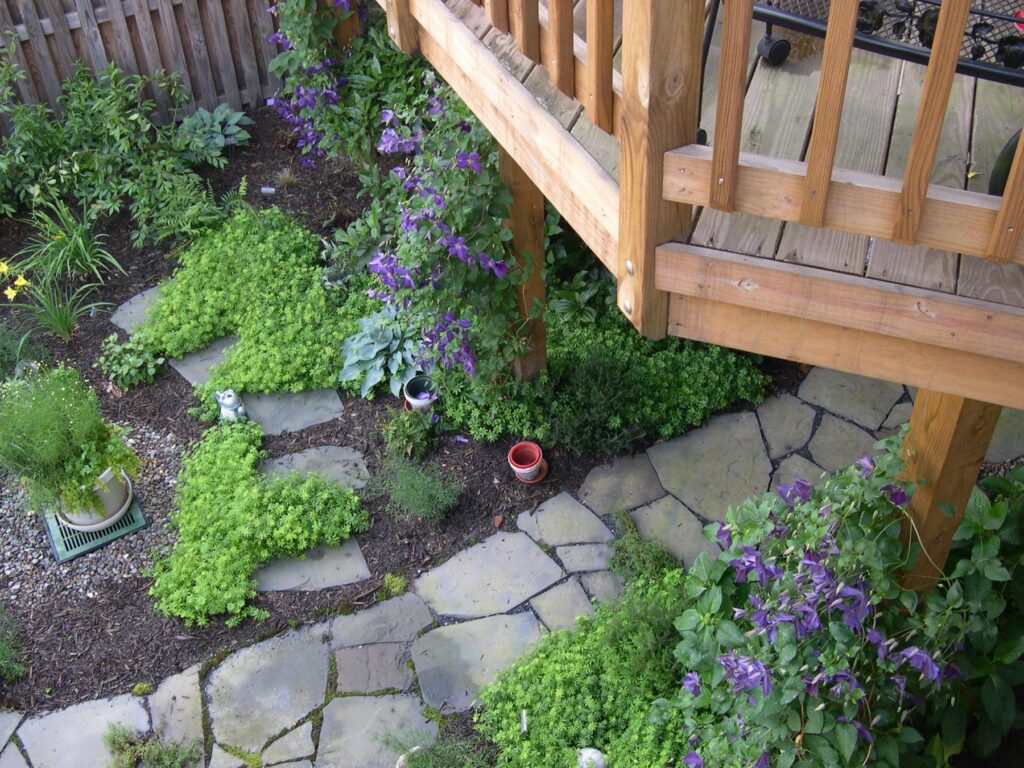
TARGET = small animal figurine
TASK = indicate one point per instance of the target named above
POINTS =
(231, 407)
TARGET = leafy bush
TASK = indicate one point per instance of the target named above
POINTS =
(129, 363)
(63, 246)
(11, 666)
(231, 519)
(203, 136)
(130, 749)
(383, 349)
(415, 491)
(411, 434)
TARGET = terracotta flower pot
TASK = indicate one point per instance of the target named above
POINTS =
(525, 459)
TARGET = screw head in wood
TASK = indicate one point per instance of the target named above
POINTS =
(629, 267)
(628, 306)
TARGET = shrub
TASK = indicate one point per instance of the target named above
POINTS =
(411, 434)
(415, 491)
(64, 246)
(11, 666)
(231, 519)
(130, 749)
(129, 363)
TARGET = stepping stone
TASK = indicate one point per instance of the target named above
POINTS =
(626, 483)
(73, 737)
(716, 467)
(585, 557)
(130, 315)
(292, 411)
(358, 730)
(787, 424)
(898, 416)
(221, 759)
(11, 758)
(267, 687)
(195, 366)
(337, 462)
(497, 574)
(603, 586)
(294, 744)
(668, 522)
(177, 708)
(857, 398)
(561, 605)
(398, 620)
(296, 764)
(1008, 441)
(563, 520)
(793, 467)
(454, 663)
(8, 723)
(321, 568)
(837, 444)
(369, 668)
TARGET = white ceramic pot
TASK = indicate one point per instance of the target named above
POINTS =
(115, 492)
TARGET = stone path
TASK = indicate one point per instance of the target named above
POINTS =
(339, 693)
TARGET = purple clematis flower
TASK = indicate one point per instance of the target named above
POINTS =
(724, 536)
(799, 491)
(762, 761)
(691, 683)
(922, 662)
(745, 673)
(693, 760)
(866, 466)
(897, 495)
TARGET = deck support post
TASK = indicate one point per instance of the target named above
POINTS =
(347, 29)
(948, 438)
(526, 222)
(402, 26)
(661, 45)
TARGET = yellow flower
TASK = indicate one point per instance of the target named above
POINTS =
(4, 268)
(21, 282)
(10, 293)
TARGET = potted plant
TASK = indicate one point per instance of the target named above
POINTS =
(527, 461)
(53, 435)
(419, 394)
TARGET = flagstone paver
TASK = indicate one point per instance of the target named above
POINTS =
(265, 688)
(563, 520)
(857, 398)
(603, 586)
(898, 416)
(176, 707)
(73, 737)
(561, 605)
(369, 668)
(625, 483)
(357, 729)
(672, 525)
(294, 744)
(8, 723)
(787, 424)
(221, 759)
(453, 663)
(10, 757)
(292, 411)
(495, 575)
(338, 462)
(714, 467)
(584, 557)
(321, 568)
(195, 366)
(397, 620)
(837, 443)
(130, 315)
(793, 467)
(1008, 440)
(296, 764)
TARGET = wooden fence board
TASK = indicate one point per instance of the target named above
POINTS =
(24, 86)
(97, 58)
(244, 48)
(45, 65)
(219, 48)
(203, 86)
(62, 47)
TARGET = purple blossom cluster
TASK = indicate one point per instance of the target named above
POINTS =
(448, 344)
(298, 109)
(745, 673)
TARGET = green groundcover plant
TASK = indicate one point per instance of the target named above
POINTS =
(797, 646)
(231, 519)
(11, 657)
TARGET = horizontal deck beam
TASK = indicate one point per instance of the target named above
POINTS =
(862, 203)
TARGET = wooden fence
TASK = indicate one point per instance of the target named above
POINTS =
(219, 47)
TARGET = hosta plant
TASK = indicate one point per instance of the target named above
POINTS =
(384, 349)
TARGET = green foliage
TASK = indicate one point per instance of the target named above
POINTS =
(17, 342)
(395, 584)
(634, 556)
(415, 491)
(53, 435)
(11, 666)
(142, 689)
(449, 752)
(383, 349)
(56, 306)
(62, 246)
(130, 749)
(411, 434)
(129, 363)
(203, 136)
(231, 519)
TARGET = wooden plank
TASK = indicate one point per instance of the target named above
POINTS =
(202, 76)
(243, 44)
(96, 54)
(847, 349)
(123, 53)
(41, 54)
(497, 13)
(709, 97)
(830, 297)
(62, 45)
(219, 47)
(948, 438)
(914, 264)
(23, 86)
(264, 23)
(732, 84)
(828, 114)
(402, 26)
(661, 102)
(151, 53)
(526, 222)
(563, 60)
(938, 81)
(600, 44)
(347, 28)
(524, 22)
(1010, 219)
(863, 140)
(858, 202)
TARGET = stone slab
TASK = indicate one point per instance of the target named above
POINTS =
(793, 467)
(493, 576)
(8, 723)
(296, 764)
(321, 568)
(713, 468)
(73, 737)
(561, 605)
(369, 668)
(626, 483)
(176, 707)
(857, 398)
(603, 586)
(294, 744)
(837, 443)
(357, 730)
(221, 759)
(1008, 440)
(398, 620)
(195, 366)
(292, 411)
(454, 663)
(584, 557)
(12, 758)
(787, 424)
(267, 687)
(131, 314)
(672, 525)
(342, 463)
(898, 416)
(563, 520)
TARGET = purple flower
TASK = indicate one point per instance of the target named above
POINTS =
(693, 760)
(461, 439)
(342, 4)
(867, 466)
(745, 673)
(691, 683)
(897, 495)
(922, 662)
(465, 160)
(799, 491)
(724, 536)
(752, 560)
(762, 761)
(387, 116)
(877, 639)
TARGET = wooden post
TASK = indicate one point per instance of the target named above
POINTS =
(347, 29)
(526, 221)
(402, 26)
(948, 438)
(661, 44)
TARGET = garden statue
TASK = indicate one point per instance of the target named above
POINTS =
(231, 406)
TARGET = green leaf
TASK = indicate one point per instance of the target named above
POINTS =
(954, 725)
(998, 701)
(995, 571)
(846, 740)
(688, 620)
(947, 509)
(815, 721)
